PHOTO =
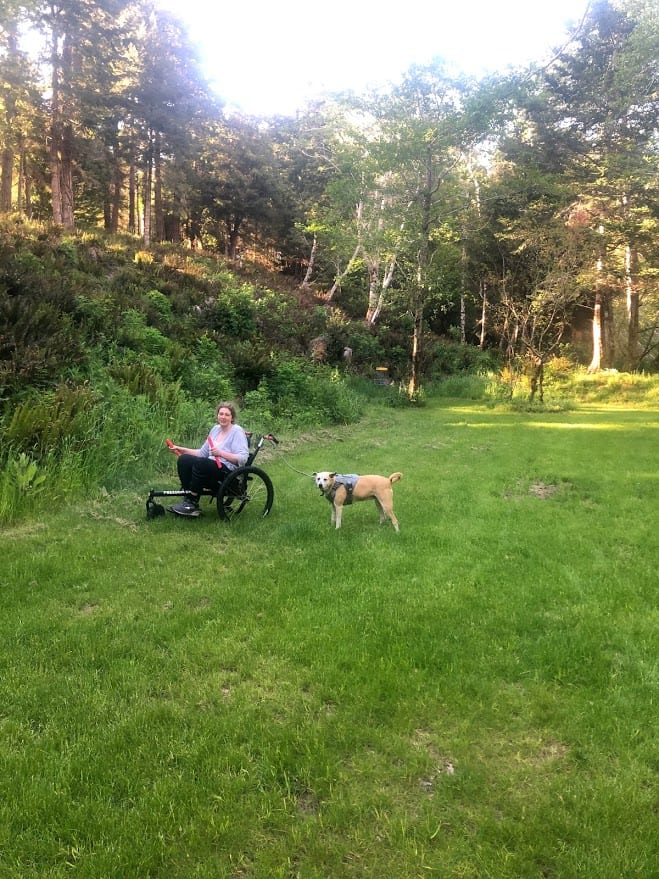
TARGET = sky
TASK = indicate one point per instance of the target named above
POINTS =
(269, 58)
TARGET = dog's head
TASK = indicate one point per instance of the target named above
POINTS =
(324, 480)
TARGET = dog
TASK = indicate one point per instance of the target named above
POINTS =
(342, 489)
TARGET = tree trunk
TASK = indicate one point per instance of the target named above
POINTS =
(146, 235)
(423, 261)
(55, 132)
(7, 160)
(312, 259)
(414, 382)
(483, 321)
(378, 292)
(233, 237)
(66, 184)
(117, 190)
(633, 309)
(340, 276)
(598, 322)
(157, 190)
(21, 203)
(24, 188)
(537, 367)
(608, 335)
(6, 179)
(596, 361)
(463, 292)
(132, 197)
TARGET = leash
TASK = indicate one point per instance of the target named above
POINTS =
(290, 466)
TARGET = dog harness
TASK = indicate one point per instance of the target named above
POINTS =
(348, 481)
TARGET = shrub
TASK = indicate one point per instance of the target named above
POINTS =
(159, 306)
(138, 376)
(233, 314)
(450, 358)
(134, 333)
(298, 392)
(45, 422)
(205, 374)
(464, 386)
(281, 320)
(21, 481)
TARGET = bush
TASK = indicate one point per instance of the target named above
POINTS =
(465, 386)
(21, 482)
(301, 393)
(134, 333)
(452, 358)
(205, 375)
(231, 314)
(47, 422)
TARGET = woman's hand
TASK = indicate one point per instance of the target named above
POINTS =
(172, 448)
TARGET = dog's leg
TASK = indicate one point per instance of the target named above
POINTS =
(385, 505)
(387, 508)
(381, 511)
(337, 510)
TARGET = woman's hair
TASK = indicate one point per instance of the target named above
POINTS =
(230, 407)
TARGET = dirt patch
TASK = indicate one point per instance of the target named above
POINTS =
(88, 609)
(542, 490)
(307, 803)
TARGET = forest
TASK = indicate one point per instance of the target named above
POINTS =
(516, 214)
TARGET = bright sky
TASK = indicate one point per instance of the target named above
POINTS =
(267, 57)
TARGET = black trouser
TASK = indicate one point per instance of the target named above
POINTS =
(199, 473)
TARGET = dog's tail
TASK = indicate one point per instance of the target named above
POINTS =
(395, 477)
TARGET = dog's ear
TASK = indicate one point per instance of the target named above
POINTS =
(314, 474)
(332, 475)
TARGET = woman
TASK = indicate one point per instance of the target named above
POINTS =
(225, 449)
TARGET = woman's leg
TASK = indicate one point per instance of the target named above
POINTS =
(204, 474)
(197, 473)
(184, 465)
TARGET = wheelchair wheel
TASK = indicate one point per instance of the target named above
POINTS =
(246, 493)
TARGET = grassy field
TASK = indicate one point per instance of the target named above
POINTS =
(473, 697)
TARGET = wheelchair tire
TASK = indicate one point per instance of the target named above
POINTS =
(247, 493)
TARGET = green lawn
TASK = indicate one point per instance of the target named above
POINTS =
(473, 697)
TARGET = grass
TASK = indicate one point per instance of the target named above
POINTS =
(474, 697)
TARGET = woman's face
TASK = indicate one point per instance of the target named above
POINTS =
(224, 416)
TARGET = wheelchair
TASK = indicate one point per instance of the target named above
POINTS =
(246, 492)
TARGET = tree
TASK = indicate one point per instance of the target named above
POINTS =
(242, 190)
(21, 116)
(171, 111)
(427, 124)
(81, 36)
(592, 118)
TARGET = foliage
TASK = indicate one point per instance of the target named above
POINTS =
(509, 211)
(450, 358)
(20, 481)
(205, 374)
(296, 391)
(47, 422)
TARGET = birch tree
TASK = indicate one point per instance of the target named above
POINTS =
(424, 132)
